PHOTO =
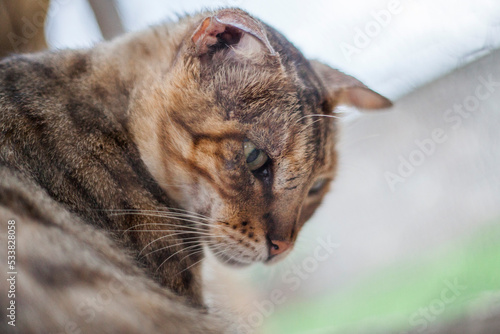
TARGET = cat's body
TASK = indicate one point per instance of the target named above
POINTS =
(120, 163)
(68, 133)
(72, 278)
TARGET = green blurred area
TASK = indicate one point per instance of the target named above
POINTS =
(436, 285)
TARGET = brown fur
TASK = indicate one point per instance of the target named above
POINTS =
(22, 26)
(122, 161)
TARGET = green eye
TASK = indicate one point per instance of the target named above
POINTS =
(255, 158)
(317, 186)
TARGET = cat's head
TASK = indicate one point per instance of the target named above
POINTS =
(239, 131)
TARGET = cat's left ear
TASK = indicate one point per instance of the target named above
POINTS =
(231, 28)
(343, 89)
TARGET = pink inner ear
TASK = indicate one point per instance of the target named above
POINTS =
(210, 30)
(229, 25)
(206, 35)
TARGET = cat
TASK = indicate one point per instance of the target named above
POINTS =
(122, 164)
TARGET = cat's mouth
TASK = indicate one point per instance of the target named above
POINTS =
(236, 260)
(229, 252)
(234, 248)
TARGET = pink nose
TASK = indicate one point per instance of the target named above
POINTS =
(278, 247)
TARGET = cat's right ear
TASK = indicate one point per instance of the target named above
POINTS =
(342, 89)
(234, 29)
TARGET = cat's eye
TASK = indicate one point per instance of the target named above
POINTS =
(317, 186)
(255, 158)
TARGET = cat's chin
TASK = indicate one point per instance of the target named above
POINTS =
(231, 261)
(237, 264)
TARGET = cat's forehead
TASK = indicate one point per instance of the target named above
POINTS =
(266, 98)
(266, 101)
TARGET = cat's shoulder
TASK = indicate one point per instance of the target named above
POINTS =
(81, 271)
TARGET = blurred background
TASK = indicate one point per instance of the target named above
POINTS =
(408, 240)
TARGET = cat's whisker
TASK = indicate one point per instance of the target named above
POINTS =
(186, 211)
(162, 215)
(179, 216)
(173, 232)
(309, 125)
(181, 250)
(181, 211)
(192, 265)
(215, 254)
(169, 210)
(191, 254)
(227, 246)
(218, 248)
(317, 115)
(159, 208)
(168, 236)
(179, 227)
(198, 238)
(190, 247)
(201, 225)
(199, 228)
(180, 232)
(203, 222)
(170, 246)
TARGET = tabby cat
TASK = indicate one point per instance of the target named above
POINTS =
(123, 164)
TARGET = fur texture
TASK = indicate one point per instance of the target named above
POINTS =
(123, 163)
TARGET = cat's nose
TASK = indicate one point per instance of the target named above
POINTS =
(277, 247)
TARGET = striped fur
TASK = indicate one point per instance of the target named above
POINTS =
(123, 161)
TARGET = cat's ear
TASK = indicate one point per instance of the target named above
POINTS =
(346, 90)
(231, 28)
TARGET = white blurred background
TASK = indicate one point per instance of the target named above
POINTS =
(432, 57)
(419, 41)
